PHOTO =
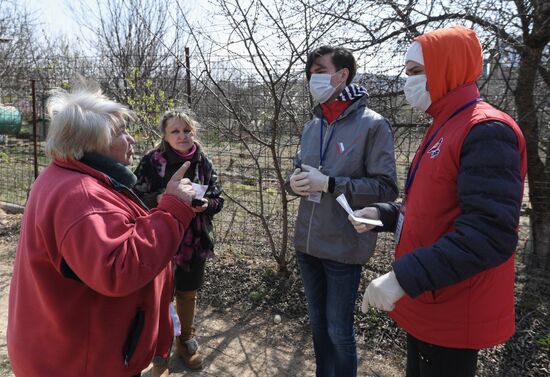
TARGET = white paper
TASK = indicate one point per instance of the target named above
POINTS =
(344, 203)
(199, 189)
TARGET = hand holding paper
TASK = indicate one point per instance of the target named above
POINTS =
(199, 189)
(368, 215)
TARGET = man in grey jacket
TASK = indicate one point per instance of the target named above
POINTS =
(345, 149)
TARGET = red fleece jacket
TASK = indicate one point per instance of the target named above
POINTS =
(92, 267)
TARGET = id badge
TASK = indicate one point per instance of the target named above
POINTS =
(399, 227)
(314, 197)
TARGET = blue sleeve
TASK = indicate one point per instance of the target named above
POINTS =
(489, 187)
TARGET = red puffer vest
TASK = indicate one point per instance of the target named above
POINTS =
(477, 312)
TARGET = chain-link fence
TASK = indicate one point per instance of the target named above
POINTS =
(249, 127)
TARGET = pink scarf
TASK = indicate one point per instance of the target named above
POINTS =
(188, 155)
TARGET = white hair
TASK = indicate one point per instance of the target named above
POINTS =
(82, 120)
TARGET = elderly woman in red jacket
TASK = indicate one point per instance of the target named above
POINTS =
(92, 280)
(452, 284)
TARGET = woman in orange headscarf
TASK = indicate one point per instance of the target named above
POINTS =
(452, 284)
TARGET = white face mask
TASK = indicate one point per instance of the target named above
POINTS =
(416, 94)
(320, 87)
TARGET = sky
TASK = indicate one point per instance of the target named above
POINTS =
(57, 19)
(54, 15)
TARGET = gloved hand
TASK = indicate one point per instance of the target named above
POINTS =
(366, 213)
(317, 181)
(298, 183)
(382, 293)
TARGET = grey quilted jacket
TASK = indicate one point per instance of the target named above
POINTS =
(360, 158)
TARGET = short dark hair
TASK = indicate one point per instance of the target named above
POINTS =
(341, 58)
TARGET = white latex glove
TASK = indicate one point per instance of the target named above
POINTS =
(317, 181)
(298, 183)
(366, 213)
(382, 293)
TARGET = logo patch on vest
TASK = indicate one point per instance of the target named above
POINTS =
(435, 150)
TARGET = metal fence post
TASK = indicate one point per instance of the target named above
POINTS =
(34, 128)
(188, 75)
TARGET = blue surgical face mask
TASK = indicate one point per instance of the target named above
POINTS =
(320, 87)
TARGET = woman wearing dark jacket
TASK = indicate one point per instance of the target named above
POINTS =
(154, 172)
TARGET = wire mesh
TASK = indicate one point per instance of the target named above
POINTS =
(250, 128)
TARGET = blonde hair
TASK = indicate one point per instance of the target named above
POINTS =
(83, 120)
(183, 116)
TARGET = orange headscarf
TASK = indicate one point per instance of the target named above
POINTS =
(452, 58)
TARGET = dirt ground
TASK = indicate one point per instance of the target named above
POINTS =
(239, 338)
(236, 341)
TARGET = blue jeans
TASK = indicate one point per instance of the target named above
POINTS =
(331, 290)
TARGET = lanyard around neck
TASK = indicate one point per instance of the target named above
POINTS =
(413, 169)
(323, 153)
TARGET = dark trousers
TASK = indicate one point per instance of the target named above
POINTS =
(428, 360)
(190, 277)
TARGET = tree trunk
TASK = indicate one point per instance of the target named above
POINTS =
(540, 231)
(538, 175)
